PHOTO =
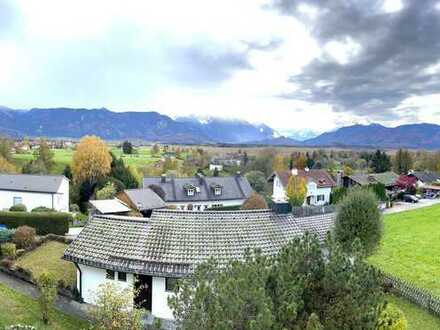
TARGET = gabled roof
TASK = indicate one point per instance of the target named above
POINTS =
(322, 178)
(173, 243)
(404, 181)
(386, 178)
(145, 199)
(109, 206)
(31, 182)
(233, 187)
(426, 176)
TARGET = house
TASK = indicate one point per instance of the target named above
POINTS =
(151, 253)
(143, 200)
(109, 206)
(227, 160)
(199, 193)
(425, 178)
(51, 191)
(406, 182)
(388, 179)
(319, 185)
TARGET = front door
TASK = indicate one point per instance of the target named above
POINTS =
(143, 291)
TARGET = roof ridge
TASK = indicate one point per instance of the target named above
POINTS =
(121, 218)
(213, 212)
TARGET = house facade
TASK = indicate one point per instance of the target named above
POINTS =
(51, 191)
(319, 185)
(200, 193)
(151, 253)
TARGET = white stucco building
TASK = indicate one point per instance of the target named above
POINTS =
(154, 252)
(319, 185)
(51, 191)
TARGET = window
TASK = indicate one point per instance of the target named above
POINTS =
(190, 192)
(110, 274)
(122, 277)
(217, 191)
(320, 198)
(170, 283)
(17, 200)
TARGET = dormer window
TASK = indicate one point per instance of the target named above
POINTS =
(217, 191)
(190, 191)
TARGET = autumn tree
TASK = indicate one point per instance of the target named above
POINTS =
(402, 162)
(91, 160)
(296, 190)
(301, 162)
(254, 202)
(6, 149)
(279, 163)
(6, 166)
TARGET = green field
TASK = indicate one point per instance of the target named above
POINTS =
(47, 257)
(410, 248)
(17, 308)
(417, 317)
(63, 157)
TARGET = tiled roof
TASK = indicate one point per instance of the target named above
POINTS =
(145, 199)
(31, 182)
(233, 187)
(386, 178)
(172, 243)
(322, 178)
(426, 176)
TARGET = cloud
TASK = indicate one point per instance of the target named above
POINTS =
(397, 51)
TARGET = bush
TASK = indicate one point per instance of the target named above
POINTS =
(24, 237)
(9, 250)
(47, 285)
(254, 202)
(7, 263)
(42, 209)
(358, 216)
(74, 208)
(18, 208)
(391, 318)
(6, 235)
(43, 222)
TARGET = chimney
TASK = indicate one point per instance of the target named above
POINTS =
(294, 171)
(163, 178)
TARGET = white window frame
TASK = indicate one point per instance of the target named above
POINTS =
(17, 198)
(217, 191)
(190, 192)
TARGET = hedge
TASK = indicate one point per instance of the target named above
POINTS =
(43, 222)
(224, 208)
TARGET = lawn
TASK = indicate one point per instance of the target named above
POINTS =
(410, 248)
(47, 257)
(18, 308)
(417, 317)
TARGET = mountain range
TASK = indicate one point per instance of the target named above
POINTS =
(155, 127)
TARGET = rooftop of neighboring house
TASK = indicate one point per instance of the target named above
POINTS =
(426, 176)
(322, 178)
(386, 178)
(172, 243)
(110, 206)
(144, 199)
(31, 182)
(404, 181)
(201, 188)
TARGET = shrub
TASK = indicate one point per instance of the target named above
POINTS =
(18, 208)
(9, 250)
(74, 208)
(6, 235)
(43, 222)
(254, 202)
(358, 216)
(107, 192)
(42, 209)
(47, 285)
(7, 263)
(24, 237)
(391, 318)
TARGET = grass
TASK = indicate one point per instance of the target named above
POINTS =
(17, 308)
(417, 317)
(47, 257)
(410, 248)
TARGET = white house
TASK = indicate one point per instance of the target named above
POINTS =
(154, 252)
(51, 191)
(200, 193)
(319, 185)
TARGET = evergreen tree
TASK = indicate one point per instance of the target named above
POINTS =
(403, 161)
(45, 155)
(380, 162)
(257, 180)
(127, 147)
(119, 171)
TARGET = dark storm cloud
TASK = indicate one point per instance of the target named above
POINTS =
(395, 50)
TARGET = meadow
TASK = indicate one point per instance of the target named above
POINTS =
(410, 248)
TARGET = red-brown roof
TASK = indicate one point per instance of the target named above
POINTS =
(322, 178)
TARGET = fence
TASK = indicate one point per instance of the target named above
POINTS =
(307, 211)
(418, 296)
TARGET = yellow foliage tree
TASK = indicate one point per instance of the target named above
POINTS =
(347, 170)
(6, 167)
(279, 163)
(91, 160)
(301, 162)
(296, 190)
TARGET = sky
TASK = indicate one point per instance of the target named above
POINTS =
(294, 65)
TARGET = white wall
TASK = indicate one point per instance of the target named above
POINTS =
(159, 299)
(61, 199)
(278, 194)
(92, 278)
